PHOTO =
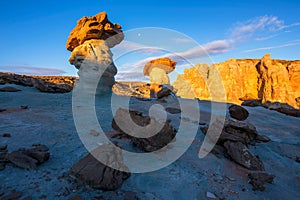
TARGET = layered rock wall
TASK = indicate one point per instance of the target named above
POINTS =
(264, 79)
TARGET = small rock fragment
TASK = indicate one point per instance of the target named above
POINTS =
(3, 147)
(94, 133)
(210, 195)
(5, 135)
(262, 138)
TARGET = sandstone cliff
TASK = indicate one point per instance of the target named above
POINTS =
(265, 79)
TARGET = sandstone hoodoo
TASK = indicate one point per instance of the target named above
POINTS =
(263, 79)
(90, 42)
(159, 69)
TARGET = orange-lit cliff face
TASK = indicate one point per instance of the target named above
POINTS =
(265, 79)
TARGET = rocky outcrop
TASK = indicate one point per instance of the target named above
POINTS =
(142, 90)
(279, 107)
(159, 69)
(90, 42)
(92, 171)
(51, 84)
(243, 79)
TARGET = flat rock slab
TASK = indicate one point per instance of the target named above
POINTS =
(243, 156)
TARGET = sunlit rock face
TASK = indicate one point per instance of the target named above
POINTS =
(264, 79)
(95, 27)
(90, 42)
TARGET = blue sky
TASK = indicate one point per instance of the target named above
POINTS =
(33, 33)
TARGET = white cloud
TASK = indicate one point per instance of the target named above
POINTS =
(266, 38)
(29, 70)
(245, 30)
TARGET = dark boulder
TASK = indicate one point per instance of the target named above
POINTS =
(160, 139)
(98, 175)
(238, 112)
(22, 160)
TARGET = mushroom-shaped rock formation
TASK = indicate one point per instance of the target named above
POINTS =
(95, 27)
(90, 42)
(158, 70)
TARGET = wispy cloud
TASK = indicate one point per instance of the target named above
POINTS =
(293, 43)
(245, 30)
(132, 76)
(129, 46)
(266, 38)
(182, 40)
(29, 70)
(211, 48)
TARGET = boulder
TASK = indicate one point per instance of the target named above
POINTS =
(96, 174)
(240, 154)
(238, 112)
(259, 178)
(163, 133)
(39, 152)
(22, 160)
(95, 27)
(237, 131)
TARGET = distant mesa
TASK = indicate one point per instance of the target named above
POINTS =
(95, 27)
(49, 84)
